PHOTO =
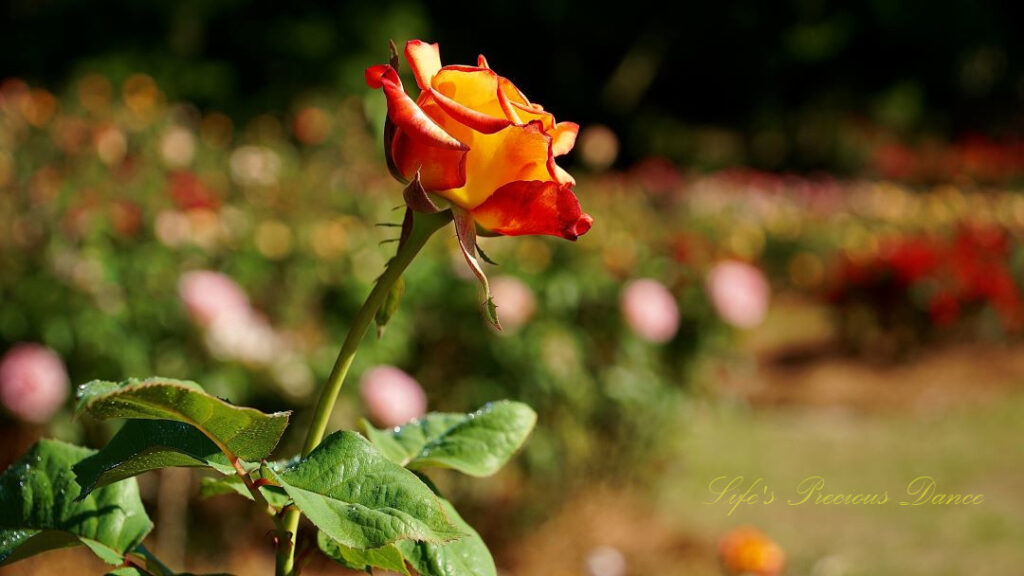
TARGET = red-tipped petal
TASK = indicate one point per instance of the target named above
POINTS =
(465, 68)
(425, 60)
(410, 118)
(472, 87)
(506, 106)
(474, 119)
(513, 92)
(439, 168)
(517, 153)
(375, 75)
(534, 112)
(390, 131)
(529, 106)
(563, 137)
(481, 61)
(560, 175)
(534, 207)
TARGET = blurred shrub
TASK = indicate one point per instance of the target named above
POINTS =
(113, 201)
(145, 237)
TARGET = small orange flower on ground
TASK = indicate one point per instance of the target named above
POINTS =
(474, 139)
(746, 550)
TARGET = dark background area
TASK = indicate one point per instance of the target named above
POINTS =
(778, 77)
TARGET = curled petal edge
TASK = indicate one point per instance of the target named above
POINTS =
(404, 112)
(467, 116)
(534, 207)
(563, 137)
(425, 61)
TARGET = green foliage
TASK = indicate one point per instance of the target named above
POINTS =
(135, 571)
(210, 486)
(68, 259)
(239, 432)
(360, 498)
(150, 570)
(478, 444)
(386, 557)
(40, 509)
(465, 556)
(144, 445)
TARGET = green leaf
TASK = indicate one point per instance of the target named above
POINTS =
(361, 499)
(149, 562)
(144, 563)
(467, 556)
(133, 571)
(144, 445)
(210, 486)
(40, 509)
(386, 557)
(239, 432)
(478, 444)
(127, 571)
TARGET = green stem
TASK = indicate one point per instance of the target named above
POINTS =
(424, 226)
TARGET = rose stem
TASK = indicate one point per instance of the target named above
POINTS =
(424, 226)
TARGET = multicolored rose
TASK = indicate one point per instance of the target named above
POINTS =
(474, 139)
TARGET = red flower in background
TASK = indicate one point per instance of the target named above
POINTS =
(913, 259)
(968, 270)
(944, 309)
(190, 193)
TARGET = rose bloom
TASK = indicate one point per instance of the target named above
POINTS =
(33, 383)
(391, 396)
(746, 550)
(739, 293)
(212, 297)
(650, 310)
(515, 301)
(477, 141)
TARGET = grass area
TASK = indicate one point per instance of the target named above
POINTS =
(970, 448)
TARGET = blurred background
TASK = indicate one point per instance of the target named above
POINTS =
(807, 260)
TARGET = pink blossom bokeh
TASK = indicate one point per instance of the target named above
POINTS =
(391, 396)
(33, 383)
(650, 310)
(515, 301)
(212, 296)
(739, 293)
